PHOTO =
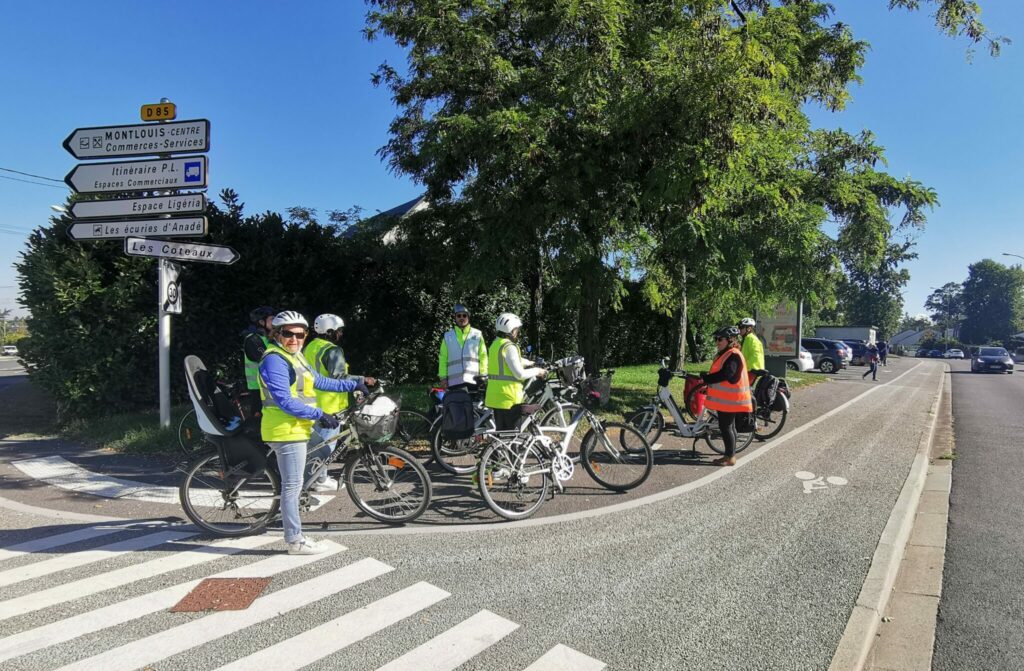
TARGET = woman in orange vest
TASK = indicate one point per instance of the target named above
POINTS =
(728, 389)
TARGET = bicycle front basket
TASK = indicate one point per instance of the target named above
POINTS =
(376, 422)
(570, 369)
(595, 392)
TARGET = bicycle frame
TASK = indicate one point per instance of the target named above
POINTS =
(683, 429)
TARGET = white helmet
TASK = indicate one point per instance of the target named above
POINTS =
(287, 318)
(327, 322)
(507, 322)
(747, 321)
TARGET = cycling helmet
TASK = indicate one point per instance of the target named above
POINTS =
(459, 307)
(262, 312)
(747, 321)
(507, 322)
(730, 332)
(288, 318)
(327, 322)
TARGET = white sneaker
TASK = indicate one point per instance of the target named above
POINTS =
(307, 546)
(328, 485)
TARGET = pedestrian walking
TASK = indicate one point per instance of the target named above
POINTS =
(871, 355)
(883, 351)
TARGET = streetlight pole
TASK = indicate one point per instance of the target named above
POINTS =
(1017, 255)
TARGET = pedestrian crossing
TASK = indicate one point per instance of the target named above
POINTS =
(57, 626)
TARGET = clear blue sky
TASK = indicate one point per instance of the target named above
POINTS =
(295, 120)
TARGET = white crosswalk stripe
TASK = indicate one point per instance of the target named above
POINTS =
(456, 646)
(447, 650)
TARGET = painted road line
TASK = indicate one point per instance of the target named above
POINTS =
(50, 542)
(310, 646)
(456, 646)
(125, 611)
(563, 658)
(151, 649)
(78, 559)
(188, 556)
(60, 472)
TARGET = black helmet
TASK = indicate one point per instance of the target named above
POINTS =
(730, 332)
(460, 308)
(262, 312)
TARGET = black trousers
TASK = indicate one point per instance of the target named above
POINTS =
(508, 420)
(727, 424)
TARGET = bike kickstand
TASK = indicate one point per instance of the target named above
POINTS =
(693, 449)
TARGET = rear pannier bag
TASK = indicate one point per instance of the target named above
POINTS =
(458, 420)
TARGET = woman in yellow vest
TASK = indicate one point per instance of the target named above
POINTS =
(506, 372)
(326, 357)
(288, 390)
(728, 389)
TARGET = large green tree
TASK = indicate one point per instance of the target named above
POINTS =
(992, 302)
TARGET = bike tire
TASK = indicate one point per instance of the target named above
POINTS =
(203, 497)
(504, 483)
(413, 434)
(713, 437)
(769, 424)
(388, 484)
(649, 421)
(191, 438)
(458, 457)
(618, 457)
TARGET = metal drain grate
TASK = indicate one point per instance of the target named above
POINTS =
(222, 594)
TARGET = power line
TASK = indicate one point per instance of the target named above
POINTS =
(15, 179)
(28, 174)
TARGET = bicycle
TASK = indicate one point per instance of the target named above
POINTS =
(769, 419)
(516, 469)
(191, 438)
(383, 481)
(651, 423)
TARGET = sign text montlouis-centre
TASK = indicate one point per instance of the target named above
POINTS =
(178, 137)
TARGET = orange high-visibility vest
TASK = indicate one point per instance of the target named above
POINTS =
(726, 396)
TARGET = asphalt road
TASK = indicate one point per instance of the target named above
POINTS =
(981, 613)
(754, 567)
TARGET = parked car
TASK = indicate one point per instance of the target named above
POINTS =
(858, 348)
(992, 359)
(954, 354)
(802, 363)
(922, 352)
(935, 354)
(10, 350)
(829, 356)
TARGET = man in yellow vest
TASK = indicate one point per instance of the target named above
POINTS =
(753, 350)
(463, 353)
(728, 390)
(506, 372)
(288, 386)
(326, 357)
(255, 339)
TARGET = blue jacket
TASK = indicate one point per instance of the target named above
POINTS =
(279, 377)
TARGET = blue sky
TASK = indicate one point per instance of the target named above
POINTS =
(295, 120)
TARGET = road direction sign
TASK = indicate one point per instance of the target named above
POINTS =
(102, 209)
(177, 227)
(152, 175)
(180, 251)
(145, 139)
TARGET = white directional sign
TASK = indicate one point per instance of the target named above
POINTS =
(178, 137)
(97, 209)
(159, 174)
(177, 227)
(180, 251)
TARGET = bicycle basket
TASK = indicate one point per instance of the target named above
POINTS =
(595, 392)
(376, 422)
(570, 369)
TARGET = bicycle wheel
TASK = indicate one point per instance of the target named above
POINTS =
(210, 498)
(649, 421)
(713, 437)
(458, 457)
(618, 458)
(513, 478)
(769, 422)
(413, 435)
(191, 439)
(388, 484)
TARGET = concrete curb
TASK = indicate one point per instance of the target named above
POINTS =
(862, 627)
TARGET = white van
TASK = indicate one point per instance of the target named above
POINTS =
(10, 350)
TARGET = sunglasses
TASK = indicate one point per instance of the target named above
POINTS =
(298, 335)
(462, 315)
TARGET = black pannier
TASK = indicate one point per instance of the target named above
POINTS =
(458, 420)
(766, 390)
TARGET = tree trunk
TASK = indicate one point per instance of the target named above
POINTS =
(589, 336)
(679, 354)
(535, 285)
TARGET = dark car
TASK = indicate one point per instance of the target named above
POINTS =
(828, 354)
(858, 347)
(935, 354)
(992, 359)
(921, 352)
